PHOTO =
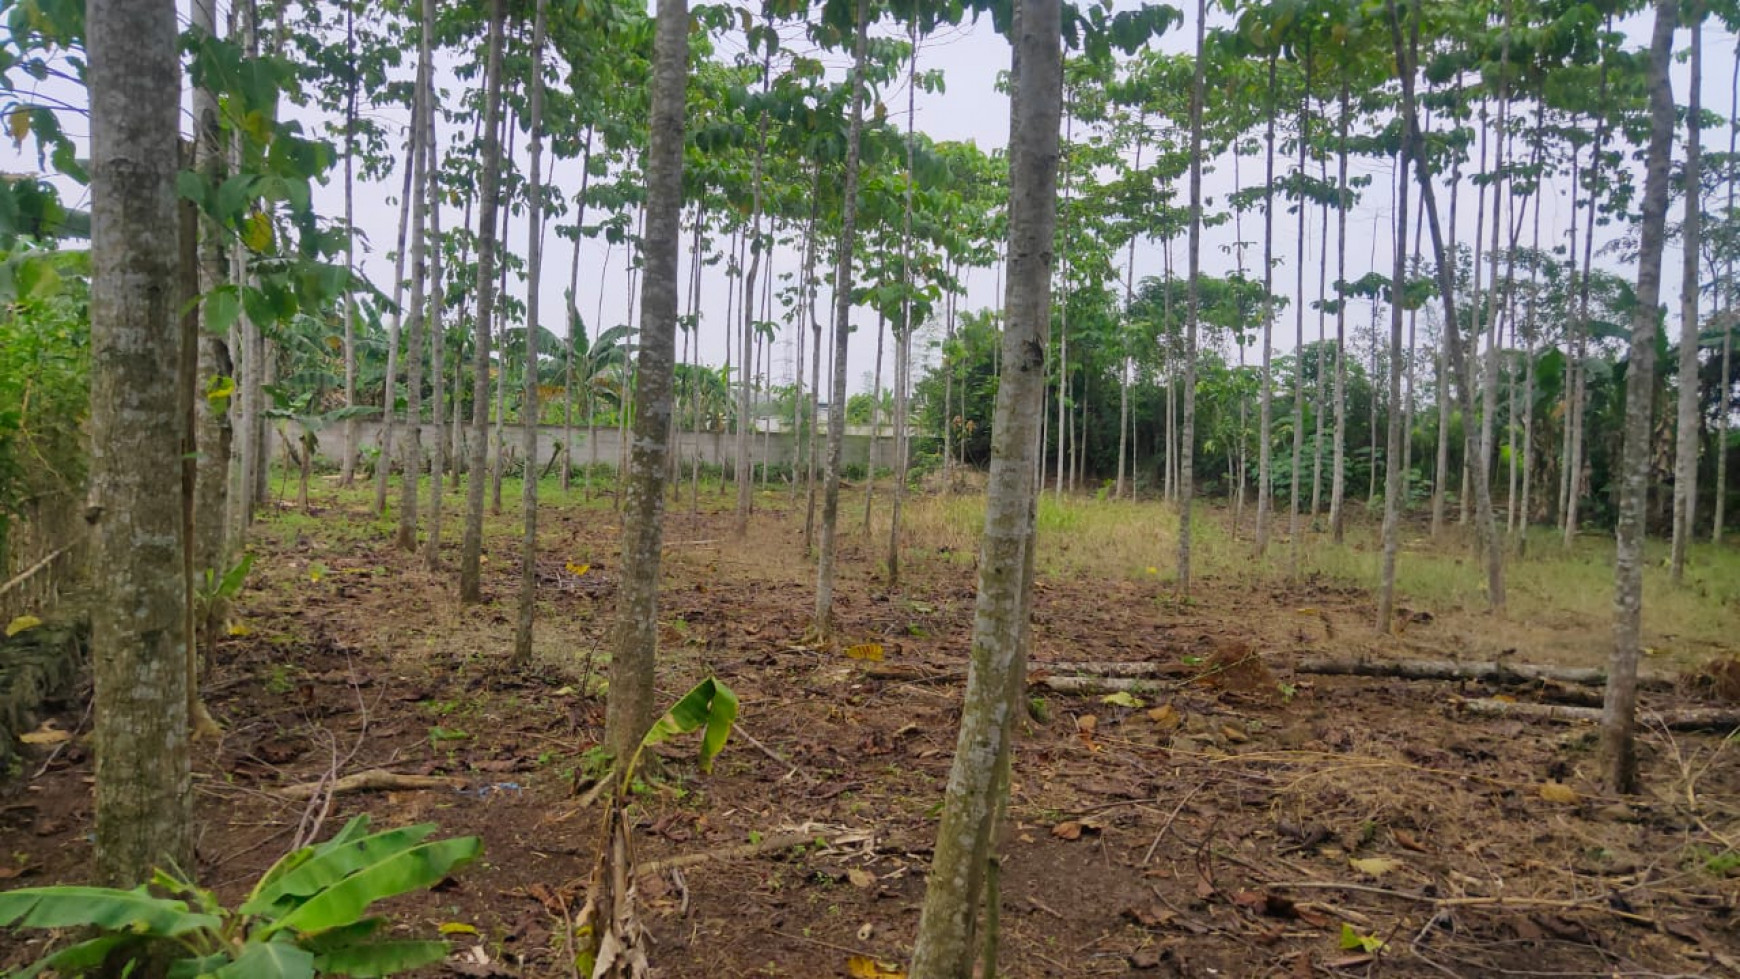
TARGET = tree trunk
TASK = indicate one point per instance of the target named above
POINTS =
(814, 434)
(1490, 380)
(1446, 289)
(574, 324)
(510, 128)
(903, 335)
(1295, 532)
(629, 712)
(1726, 305)
(471, 549)
(1124, 456)
(1619, 715)
(875, 422)
(211, 419)
(824, 617)
(139, 622)
(1265, 411)
(529, 405)
(1528, 396)
(745, 400)
(1580, 396)
(389, 396)
(1322, 378)
(347, 468)
(437, 296)
(972, 803)
(1393, 446)
(1689, 429)
(1187, 420)
(411, 464)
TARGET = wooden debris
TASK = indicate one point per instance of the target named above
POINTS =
(1677, 719)
(373, 780)
(1433, 669)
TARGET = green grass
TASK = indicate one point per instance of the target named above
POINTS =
(1086, 536)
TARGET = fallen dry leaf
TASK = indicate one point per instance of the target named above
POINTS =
(865, 967)
(1406, 841)
(1074, 828)
(1374, 866)
(1560, 792)
(870, 651)
(1249, 899)
(1165, 717)
(46, 734)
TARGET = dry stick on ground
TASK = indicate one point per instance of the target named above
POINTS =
(323, 792)
(1596, 903)
(1198, 787)
(1678, 719)
(771, 844)
(769, 752)
(373, 780)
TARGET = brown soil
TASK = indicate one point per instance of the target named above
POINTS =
(1252, 824)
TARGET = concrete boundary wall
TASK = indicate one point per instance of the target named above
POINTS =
(712, 448)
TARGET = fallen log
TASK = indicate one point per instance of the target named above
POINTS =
(769, 844)
(1114, 669)
(373, 780)
(1676, 719)
(1494, 672)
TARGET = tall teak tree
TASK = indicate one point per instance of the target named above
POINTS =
(1619, 712)
(471, 547)
(629, 712)
(139, 623)
(972, 804)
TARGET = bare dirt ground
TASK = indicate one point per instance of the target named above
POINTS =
(1235, 819)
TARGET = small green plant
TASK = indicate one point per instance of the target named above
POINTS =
(213, 595)
(609, 919)
(438, 734)
(1715, 863)
(305, 918)
(1039, 709)
(280, 680)
(1353, 941)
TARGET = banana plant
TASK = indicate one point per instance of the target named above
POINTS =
(306, 917)
(617, 947)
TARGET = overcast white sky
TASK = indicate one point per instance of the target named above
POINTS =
(971, 108)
